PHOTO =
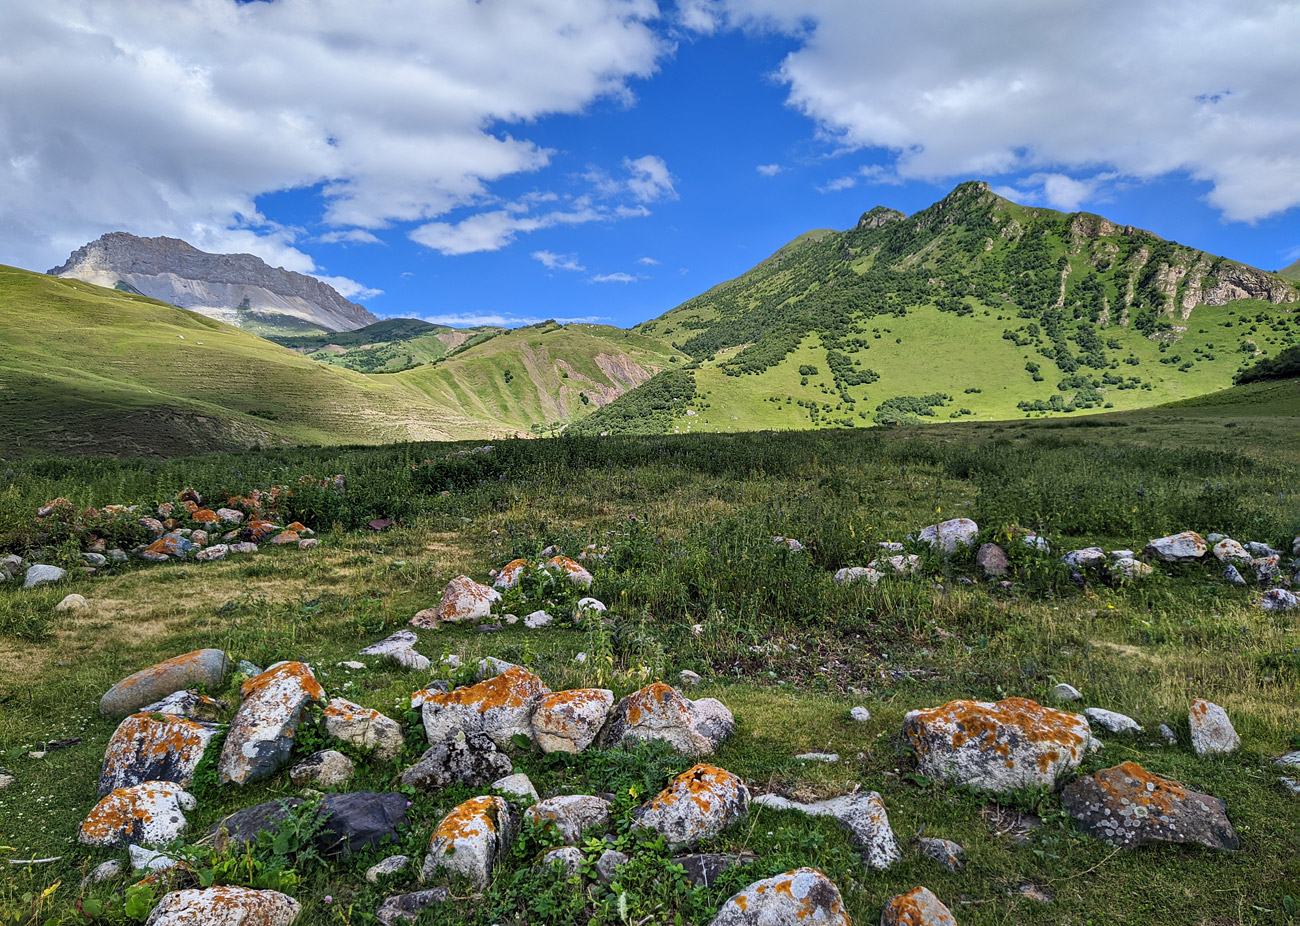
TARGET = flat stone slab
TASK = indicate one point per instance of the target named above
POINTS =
(205, 667)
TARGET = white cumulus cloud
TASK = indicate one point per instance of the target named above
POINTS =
(987, 88)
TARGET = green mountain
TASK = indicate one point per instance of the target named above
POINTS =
(387, 346)
(975, 307)
(1291, 272)
(91, 370)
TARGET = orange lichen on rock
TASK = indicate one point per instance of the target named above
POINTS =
(511, 573)
(805, 896)
(512, 688)
(157, 747)
(148, 813)
(697, 804)
(299, 672)
(918, 907)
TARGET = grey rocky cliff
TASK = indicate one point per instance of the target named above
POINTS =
(217, 285)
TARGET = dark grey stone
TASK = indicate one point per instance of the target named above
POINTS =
(469, 759)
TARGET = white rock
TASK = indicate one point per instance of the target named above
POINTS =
(213, 553)
(150, 814)
(571, 815)
(466, 600)
(1064, 692)
(688, 679)
(491, 667)
(860, 714)
(325, 769)
(72, 603)
(469, 840)
(585, 605)
(518, 784)
(660, 712)
(501, 707)
(399, 648)
(1187, 547)
(41, 574)
(144, 858)
(1279, 599)
(1229, 551)
(1212, 731)
(1085, 558)
(389, 866)
(697, 805)
(803, 897)
(829, 758)
(1130, 569)
(862, 814)
(537, 620)
(570, 721)
(947, 536)
(105, 871)
(364, 727)
(260, 739)
(1112, 720)
(225, 906)
(851, 574)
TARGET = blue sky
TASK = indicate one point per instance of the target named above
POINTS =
(516, 160)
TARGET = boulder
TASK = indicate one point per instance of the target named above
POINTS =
(537, 620)
(569, 721)
(588, 607)
(570, 814)
(918, 907)
(364, 727)
(213, 553)
(464, 758)
(1228, 550)
(41, 574)
(998, 747)
(660, 712)
(1127, 806)
(225, 906)
(568, 858)
(803, 897)
(993, 560)
(944, 851)
(899, 565)
(1113, 721)
(851, 574)
(468, 841)
(75, 603)
(400, 650)
(285, 538)
(697, 805)
(501, 707)
(1279, 599)
(1064, 692)
(243, 547)
(151, 746)
(610, 861)
(188, 704)
(1232, 575)
(402, 908)
(1087, 558)
(862, 814)
(519, 785)
(574, 573)
(510, 574)
(349, 822)
(152, 525)
(465, 600)
(327, 768)
(1212, 731)
(1267, 569)
(172, 545)
(150, 813)
(229, 516)
(204, 667)
(947, 536)
(1187, 547)
(260, 739)
(1128, 569)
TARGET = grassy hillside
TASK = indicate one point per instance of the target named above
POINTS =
(540, 377)
(388, 346)
(981, 307)
(693, 581)
(1291, 272)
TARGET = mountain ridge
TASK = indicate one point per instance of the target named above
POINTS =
(240, 289)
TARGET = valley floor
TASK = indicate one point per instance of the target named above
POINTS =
(697, 584)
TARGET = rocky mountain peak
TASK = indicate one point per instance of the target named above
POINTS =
(240, 289)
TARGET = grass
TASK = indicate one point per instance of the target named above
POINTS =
(699, 552)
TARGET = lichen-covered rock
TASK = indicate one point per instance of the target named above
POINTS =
(42, 574)
(205, 667)
(169, 546)
(327, 768)
(1187, 547)
(570, 814)
(285, 538)
(569, 721)
(660, 712)
(574, 573)
(947, 536)
(944, 851)
(150, 814)
(1279, 599)
(501, 707)
(225, 906)
(260, 739)
(1113, 721)
(400, 650)
(698, 804)
(468, 841)
(510, 574)
(1228, 550)
(851, 574)
(466, 600)
(151, 746)
(464, 758)
(188, 704)
(407, 907)
(1212, 731)
(213, 553)
(1087, 558)
(803, 897)
(364, 727)
(999, 747)
(918, 907)
(229, 516)
(862, 814)
(1127, 806)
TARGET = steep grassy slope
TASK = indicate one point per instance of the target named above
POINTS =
(982, 307)
(1291, 272)
(92, 370)
(542, 376)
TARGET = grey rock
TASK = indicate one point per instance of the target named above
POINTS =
(660, 712)
(10, 565)
(1228, 550)
(1279, 599)
(570, 814)
(1290, 760)
(918, 907)
(830, 758)
(944, 851)
(1187, 547)
(105, 871)
(188, 704)
(205, 667)
(470, 839)
(349, 822)
(1169, 736)
(519, 785)
(860, 714)
(993, 560)
(570, 721)
(74, 603)
(1064, 692)
(95, 559)
(327, 768)
(697, 805)
(41, 574)
(947, 536)
(150, 814)
(704, 869)
(225, 906)
(1232, 575)
(407, 907)
(400, 650)
(1127, 806)
(688, 679)
(803, 897)
(569, 858)
(154, 747)
(364, 727)
(1261, 550)
(1212, 730)
(610, 861)
(469, 759)
(850, 574)
(1113, 721)
(537, 620)
(260, 739)
(1086, 558)
(862, 814)
(247, 669)
(389, 866)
